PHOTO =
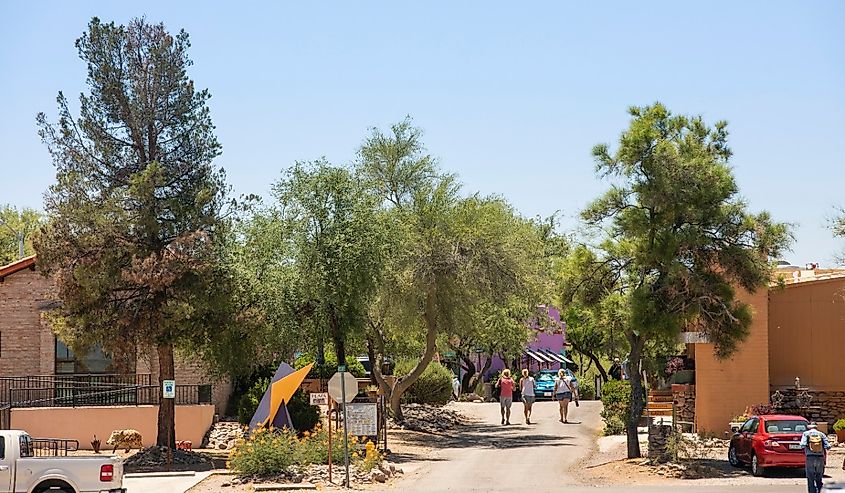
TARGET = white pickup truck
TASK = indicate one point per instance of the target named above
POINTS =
(22, 472)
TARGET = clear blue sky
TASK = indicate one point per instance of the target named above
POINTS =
(511, 97)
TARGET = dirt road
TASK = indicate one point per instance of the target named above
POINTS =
(492, 457)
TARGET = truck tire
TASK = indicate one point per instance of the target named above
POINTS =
(54, 486)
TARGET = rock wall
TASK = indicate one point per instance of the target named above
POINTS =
(825, 406)
(683, 400)
(657, 438)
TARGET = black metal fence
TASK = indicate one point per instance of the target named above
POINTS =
(138, 395)
(90, 390)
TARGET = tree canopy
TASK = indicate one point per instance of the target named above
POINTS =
(136, 215)
(674, 239)
(17, 228)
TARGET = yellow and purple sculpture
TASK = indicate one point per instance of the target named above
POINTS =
(272, 410)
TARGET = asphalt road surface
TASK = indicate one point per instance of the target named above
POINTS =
(532, 458)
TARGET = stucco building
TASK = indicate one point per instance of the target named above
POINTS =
(798, 323)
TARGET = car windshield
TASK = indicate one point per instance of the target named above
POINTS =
(546, 377)
(786, 426)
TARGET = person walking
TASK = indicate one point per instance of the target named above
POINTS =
(565, 391)
(615, 370)
(526, 387)
(506, 386)
(815, 445)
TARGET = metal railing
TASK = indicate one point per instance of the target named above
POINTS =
(138, 395)
(66, 385)
(53, 447)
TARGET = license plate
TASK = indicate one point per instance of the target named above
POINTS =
(547, 394)
(794, 446)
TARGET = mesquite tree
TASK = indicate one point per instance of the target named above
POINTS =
(135, 214)
(675, 239)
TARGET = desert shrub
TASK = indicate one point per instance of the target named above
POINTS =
(615, 398)
(264, 453)
(248, 402)
(269, 452)
(303, 415)
(433, 387)
(760, 409)
(586, 389)
(329, 367)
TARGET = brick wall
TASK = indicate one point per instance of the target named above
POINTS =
(189, 371)
(27, 345)
(724, 388)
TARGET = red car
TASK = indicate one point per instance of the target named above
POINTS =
(768, 441)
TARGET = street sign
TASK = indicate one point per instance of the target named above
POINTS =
(318, 398)
(336, 389)
(363, 419)
(168, 389)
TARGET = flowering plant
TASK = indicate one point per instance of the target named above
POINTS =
(675, 365)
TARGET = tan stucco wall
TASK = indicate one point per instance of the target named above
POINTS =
(82, 423)
(724, 388)
(806, 326)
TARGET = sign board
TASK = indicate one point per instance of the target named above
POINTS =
(168, 389)
(335, 389)
(318, 398)
(362, 419)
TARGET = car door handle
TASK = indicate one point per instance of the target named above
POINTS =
(4, 468)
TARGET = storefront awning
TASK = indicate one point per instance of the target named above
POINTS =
(538, 356)
(556, 357)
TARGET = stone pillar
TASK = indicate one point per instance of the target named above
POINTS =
(683, 400)
(657, 438)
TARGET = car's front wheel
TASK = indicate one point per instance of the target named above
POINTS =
(732, 458)
(756, 468)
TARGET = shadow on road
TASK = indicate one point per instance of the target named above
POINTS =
(490, 436)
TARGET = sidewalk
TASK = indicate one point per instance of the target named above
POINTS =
(163, 482)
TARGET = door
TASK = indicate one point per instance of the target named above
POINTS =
(5, 466)
(746, 436)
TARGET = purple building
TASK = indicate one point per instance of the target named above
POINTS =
(547, 350)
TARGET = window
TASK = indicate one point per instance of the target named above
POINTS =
(2, 448)
(755, 425)
(786, 426)
(746, 428)
(95, 361)
(26, 446)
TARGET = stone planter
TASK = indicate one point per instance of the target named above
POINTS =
(683, 377)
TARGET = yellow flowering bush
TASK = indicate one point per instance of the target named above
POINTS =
(271, 452)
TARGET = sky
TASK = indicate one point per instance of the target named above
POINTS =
(512, 96)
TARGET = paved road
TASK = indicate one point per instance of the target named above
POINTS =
(533, 458)
(524, 458)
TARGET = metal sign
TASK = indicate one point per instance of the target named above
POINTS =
(168, 389)
(318, 398)
(363, 419)
(337, 390)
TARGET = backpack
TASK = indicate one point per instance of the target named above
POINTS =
(814, 443)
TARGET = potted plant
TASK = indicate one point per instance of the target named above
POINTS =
(839, 428)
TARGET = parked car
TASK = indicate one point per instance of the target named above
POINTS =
(21, 470)
(768, 441)
(544, 383)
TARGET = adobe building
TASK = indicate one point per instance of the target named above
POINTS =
(798, 323)
(30, 355)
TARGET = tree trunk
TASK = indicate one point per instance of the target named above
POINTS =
(637, 401)
(488, 362)
(469, 368)
(430, 318)
(592, 356)
(339, 339)
(166, 407)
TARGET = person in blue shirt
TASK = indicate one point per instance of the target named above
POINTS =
(815, 459)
